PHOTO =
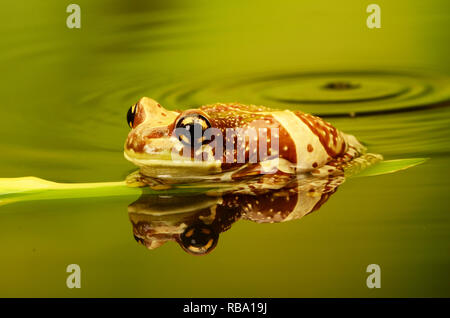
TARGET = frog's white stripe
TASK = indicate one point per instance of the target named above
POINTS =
(302, 136)
(305, 204)
(307, 199)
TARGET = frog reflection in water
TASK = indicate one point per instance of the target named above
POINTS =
(196, 223)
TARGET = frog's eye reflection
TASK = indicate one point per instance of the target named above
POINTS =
(192, 123)
(199, 240)
(131, 114)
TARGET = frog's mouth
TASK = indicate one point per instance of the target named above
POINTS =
(158, 160)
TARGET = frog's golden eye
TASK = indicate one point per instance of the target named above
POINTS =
(131, 114)
(187, 127)
(199, 239)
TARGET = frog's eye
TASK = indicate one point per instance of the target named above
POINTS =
(131, 114)
(189, 124)
(199, 239)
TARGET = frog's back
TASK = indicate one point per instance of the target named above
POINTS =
(307, 141)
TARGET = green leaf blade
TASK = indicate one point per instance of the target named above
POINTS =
(390, 166)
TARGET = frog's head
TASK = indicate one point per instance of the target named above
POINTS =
(152, 146)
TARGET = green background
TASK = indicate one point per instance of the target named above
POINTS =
(64, 94)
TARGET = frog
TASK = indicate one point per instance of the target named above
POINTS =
(306, 144)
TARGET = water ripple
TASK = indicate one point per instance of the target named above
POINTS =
(328, 94)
